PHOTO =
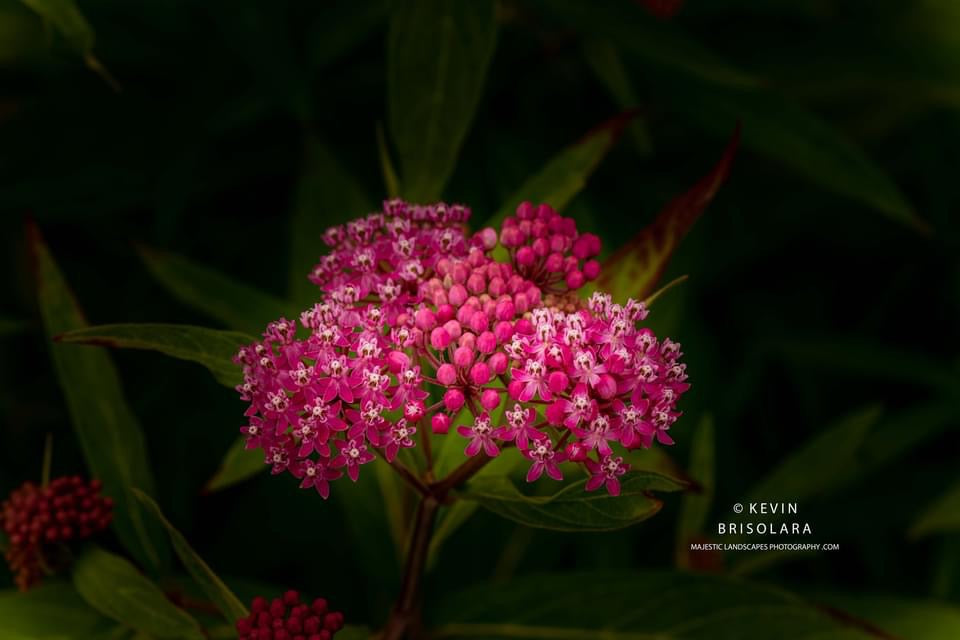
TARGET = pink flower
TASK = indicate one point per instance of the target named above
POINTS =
(606, 472)
(544, 459)
(529, 382)
(352, 454)
(480, 435)
(398, 438)
(317, 475)
(519, 427)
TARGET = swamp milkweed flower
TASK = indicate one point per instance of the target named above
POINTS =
(411, 307)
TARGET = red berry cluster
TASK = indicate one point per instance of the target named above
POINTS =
(289, 619)
(39, 519)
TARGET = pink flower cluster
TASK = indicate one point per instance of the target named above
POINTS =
(411, 305)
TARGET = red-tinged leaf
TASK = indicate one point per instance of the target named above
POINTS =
(634, 270)
(663, 9)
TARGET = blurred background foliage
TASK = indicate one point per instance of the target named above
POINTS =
(819, 321)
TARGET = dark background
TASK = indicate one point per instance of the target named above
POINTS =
(803, 305)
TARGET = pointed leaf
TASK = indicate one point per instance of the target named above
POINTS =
(567, 173)
(605, 62)
(437, 58)
(235, 304)
(211, 584)
(48, 611)
(326, 195)
(776, 128)
(114, 587)
(654, 605)
(10, 326)
(572, 508)
(696, 506)
(66, 18)
(238, 465)
(943, 516)
(834, 453)
(634, 270)
(637, 34)
(109, 433)
(895, 617)
(211, 348)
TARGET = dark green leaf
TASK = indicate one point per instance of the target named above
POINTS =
(11, 326)
(572, 508)
(236, 305)
(634, 270)
(650, 40)
(696, 506)
(66, 18)
(633, 606)
(342, 28)
(113, 586)
(606, 64)
(834, 454)
(209, 582)
(907, 618)
(778, 129)
(565, 174)
(109, 433)
(326, 195)
(238, 465)
(51, 611)
(859, 357)
(437, 58)
(390, 179)
(210, 347)
(943, 516)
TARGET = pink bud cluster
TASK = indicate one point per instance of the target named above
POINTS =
(412, 306)
(39, 519)
(287, 618)
(547, 248)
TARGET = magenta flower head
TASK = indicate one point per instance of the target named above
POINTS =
(38, 521)
(288, 617)
(411, 308)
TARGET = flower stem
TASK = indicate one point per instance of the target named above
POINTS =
(405, 615)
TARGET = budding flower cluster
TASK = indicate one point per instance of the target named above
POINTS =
(287, 618)
(37, 520)
(412, 306)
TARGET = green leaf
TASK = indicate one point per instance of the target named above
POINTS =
(833, 453)
(776, 128)
(341, 28)
(696, 506)
(326, 195)
(66, 18)
(212, 348)
(208, 581)
(572, 508)
(437, 58)
(234, 304)
(689, 77)
(390, 179)
(354, 632)
(605, 62)
(11, 326)
(942, 516)
(632, 606)
(565, 174)
(113, 586)
(864, 358)
(899, 617)
(649, 40)
(50, 611)
(634, 270)
(109, 433)
(238, 465)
